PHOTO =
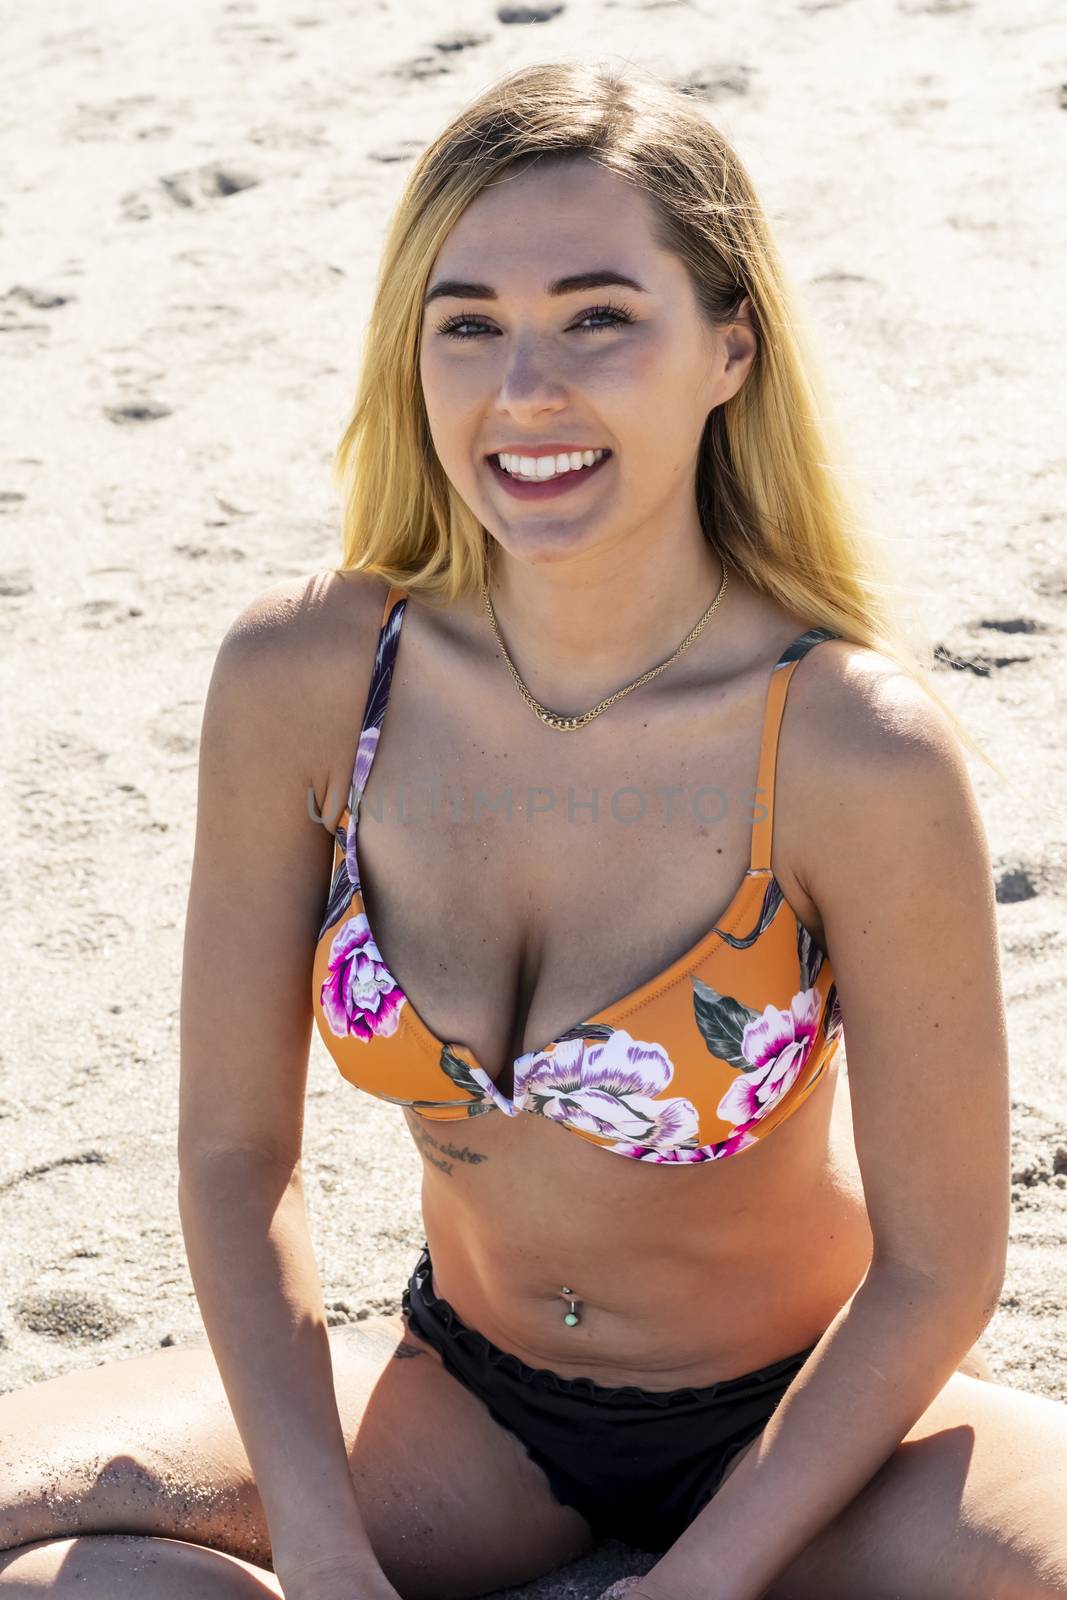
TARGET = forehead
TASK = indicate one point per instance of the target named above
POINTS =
(524, 226)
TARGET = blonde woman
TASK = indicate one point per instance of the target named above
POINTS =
(691, 816)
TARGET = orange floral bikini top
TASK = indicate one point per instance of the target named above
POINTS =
(696, 1064)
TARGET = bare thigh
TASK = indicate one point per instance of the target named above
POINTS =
(970, 1506)
(148, 1445)
(974, 1365)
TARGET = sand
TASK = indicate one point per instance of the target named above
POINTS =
(192, 212)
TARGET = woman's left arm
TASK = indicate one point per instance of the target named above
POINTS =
(897, 862)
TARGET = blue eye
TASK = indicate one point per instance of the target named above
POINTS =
(619, 315)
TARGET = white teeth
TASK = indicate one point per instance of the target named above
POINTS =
(535, 469)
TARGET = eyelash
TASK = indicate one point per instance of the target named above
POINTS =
(620, 313)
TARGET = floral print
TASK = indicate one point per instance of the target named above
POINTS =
(614, 1089)
(777, 1045)
(740, 1139)
(359, 996)
(598, 1080)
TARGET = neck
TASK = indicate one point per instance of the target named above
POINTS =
(575, 640)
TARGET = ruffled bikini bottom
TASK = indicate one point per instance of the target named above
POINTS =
(638, 1464)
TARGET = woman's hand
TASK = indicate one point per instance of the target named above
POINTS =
(629, 1589)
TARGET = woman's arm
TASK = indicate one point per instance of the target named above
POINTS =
(259, 879)
(897, 862)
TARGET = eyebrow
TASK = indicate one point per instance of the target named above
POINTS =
(601, 278)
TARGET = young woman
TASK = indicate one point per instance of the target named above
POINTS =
(678, 814)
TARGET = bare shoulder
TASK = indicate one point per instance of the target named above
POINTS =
(300, 623)
(294, 665)
(870, 757)
(887, 838)
(856, 702)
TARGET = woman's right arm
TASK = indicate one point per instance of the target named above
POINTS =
(259, 881)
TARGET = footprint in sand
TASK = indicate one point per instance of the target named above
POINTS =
(842, 277)
(980, 663)
(16, 582)
(166, 732)
(209, 552)
(1015, 883)
(419, 68)
(85, 935)
(1019, 880)
(64, 791)
(401, 150)
(137, 411)
(933, 8)
(106, 613)
(711, 83)
(74, 1316)
(526, 14)
(193, 189)
(80, 1159)
(1042, 1166)
(461, 40)
(1017, 625)
(1053, 581)
(14, 318)
(113, 119)
(39, 299)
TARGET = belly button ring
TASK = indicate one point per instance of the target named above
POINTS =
(571, 1318)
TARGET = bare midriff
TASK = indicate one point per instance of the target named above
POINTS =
(684, 1275)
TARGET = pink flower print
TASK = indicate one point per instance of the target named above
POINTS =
(777, 1044)
(359, 994)
(740, 1139)
(607, 1088)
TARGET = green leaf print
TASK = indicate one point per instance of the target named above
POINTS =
(722, 1021)
(459, 1072)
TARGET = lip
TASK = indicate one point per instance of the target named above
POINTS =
(566, 448)
(566, 483)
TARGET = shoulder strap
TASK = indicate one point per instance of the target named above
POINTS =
(781, 673)
(393, 594)
(381, 679)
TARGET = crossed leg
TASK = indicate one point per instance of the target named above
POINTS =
(135, 1471)
(972, 1505)
(451, 1502)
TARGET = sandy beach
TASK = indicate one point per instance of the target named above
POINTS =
(193, 206)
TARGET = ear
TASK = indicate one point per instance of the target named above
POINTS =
(741, 342)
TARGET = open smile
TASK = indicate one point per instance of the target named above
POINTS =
(532, 488)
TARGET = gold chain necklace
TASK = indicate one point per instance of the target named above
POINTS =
(567, 724)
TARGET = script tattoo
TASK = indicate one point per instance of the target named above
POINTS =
(448, 1152)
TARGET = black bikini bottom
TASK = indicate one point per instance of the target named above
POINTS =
(637, 1463)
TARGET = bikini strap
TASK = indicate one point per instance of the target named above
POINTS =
(392, 595)
(781, 673)
(381, 680)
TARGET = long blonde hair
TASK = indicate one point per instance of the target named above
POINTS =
(771, 470)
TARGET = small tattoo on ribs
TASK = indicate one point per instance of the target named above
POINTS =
(447, 1148)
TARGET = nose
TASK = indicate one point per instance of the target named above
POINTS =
(530, 381)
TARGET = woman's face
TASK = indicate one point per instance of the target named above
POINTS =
(514, 359)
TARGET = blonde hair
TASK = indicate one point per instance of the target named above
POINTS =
(770, 482)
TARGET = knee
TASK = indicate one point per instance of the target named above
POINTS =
(47, 1498)
(975, 1365)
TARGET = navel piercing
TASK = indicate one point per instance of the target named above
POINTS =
(571, 1318)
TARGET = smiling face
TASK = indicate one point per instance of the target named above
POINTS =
(529, 350)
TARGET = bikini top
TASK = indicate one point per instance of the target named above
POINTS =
(698, 1063)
